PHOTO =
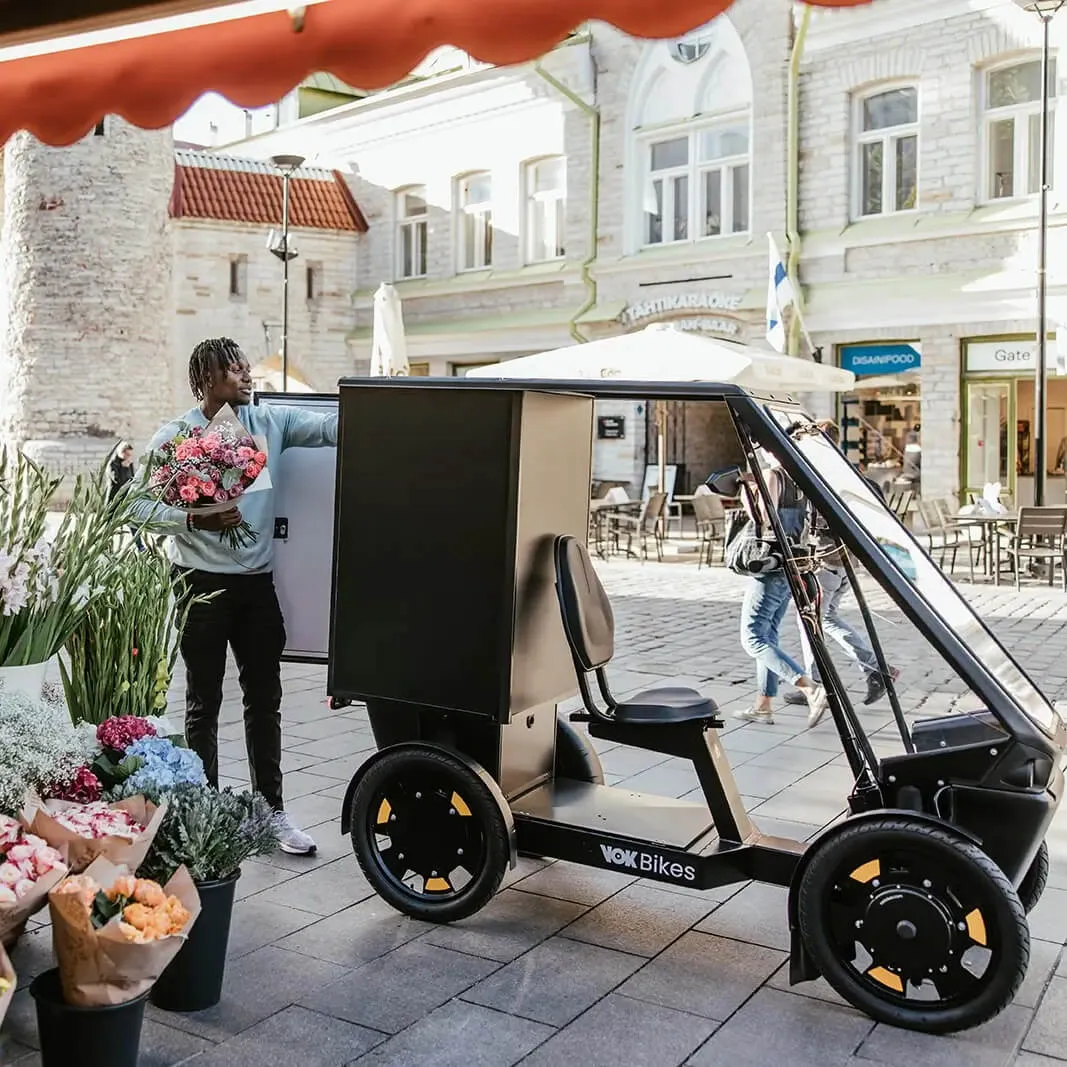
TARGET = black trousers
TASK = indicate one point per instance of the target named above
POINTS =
(245, 616)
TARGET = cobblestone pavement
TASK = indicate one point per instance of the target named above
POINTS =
(572, 965)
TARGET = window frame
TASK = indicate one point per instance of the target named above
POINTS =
(238, 279)
(412, 222)
(1020, 113)
(888, 136)
(313, 282)
(533, 199)
(462, 211)
(694, 170)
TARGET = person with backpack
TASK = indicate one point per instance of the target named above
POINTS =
(753, 549)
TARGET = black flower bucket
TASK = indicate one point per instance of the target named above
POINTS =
(193, 979)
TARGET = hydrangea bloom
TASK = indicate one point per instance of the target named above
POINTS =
(165, 766)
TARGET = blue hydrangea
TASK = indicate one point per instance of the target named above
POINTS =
(165, 766)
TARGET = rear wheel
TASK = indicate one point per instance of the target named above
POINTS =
(1035, 880)
(913, 924)
(428, 833)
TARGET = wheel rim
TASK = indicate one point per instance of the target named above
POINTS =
(913, 928)
(424, 838)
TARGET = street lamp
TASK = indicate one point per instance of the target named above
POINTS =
(285, 252)
(1046, 11)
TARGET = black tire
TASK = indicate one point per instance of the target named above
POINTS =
(1035, 880)
(408, 800)
(917, 900)
(575, 756)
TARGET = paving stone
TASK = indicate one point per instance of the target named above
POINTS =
(524, 867)
(293, 1036)
(460, 1035)
(1043, 958)
(507, 926)
(1032, 1059)
(757, 914)
(556, 981)
(619, 1031)
(628, 761)
(1047, 1032)
(991, 1045)
(323, 891)
(640, 919)
(256, 876)
(334, 746)
(397, 990)
(303, 783)
(164, 1046)
(703, 974)
(332, 845)
(355, 935)
(257, 986)
(312, 809)
(779, 1028)
(572, 881)
(257, 922)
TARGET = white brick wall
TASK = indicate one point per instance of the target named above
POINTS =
(318, 329)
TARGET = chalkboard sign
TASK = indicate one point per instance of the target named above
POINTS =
(610, 427)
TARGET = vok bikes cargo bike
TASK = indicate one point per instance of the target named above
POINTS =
(464, 607)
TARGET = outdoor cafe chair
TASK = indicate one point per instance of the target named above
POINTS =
(644, 526)
(1040, 536)
(937, 536)
(711, 525)
(967, 535)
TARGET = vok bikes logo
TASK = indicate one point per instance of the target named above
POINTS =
(648, 863)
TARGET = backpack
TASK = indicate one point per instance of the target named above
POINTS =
(750, 548)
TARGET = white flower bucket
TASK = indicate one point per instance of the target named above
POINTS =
(28, 680)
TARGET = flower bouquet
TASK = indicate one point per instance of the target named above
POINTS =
(29, 868)
(8, 982)
(114, 934)
(204, 470)
(123, 832)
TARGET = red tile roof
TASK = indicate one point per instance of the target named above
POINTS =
(228, 189)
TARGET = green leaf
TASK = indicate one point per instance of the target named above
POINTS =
(104, 910)
(230, 478)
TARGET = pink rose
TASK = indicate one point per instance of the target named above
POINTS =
(34, 841)
(244, 452)
(207, 488)
(211, 442)
(18, 853)
(9, 874)
(252, 470)
(189, 494)
(261, 458)
(7, 895)
(235, 492)
(221, 496)
(10, 831)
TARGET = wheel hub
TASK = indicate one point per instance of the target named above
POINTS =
(904, 927)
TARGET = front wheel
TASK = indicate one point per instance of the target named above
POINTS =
(429, 835)
(913, 924)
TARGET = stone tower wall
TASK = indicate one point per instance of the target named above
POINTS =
(86, 298)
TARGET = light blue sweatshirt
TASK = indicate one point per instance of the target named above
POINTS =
(204, 550)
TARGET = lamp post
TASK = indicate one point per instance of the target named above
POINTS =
(287, 165)
(1046, 11)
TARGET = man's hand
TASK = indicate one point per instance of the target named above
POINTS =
(220, 520)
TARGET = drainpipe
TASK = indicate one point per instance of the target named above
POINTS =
(792, 193)
(594, 197)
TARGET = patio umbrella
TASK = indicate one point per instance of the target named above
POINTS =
(389, 348)
(63, 66)
(661, 353)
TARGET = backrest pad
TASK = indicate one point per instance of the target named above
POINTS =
(588, 621)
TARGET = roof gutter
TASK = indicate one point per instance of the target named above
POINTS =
(792, 201)
(594, 197)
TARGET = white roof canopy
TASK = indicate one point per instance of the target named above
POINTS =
(660, 353)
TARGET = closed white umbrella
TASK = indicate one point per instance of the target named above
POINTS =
(389, 348)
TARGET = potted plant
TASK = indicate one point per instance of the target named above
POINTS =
(211, 834)
(47, 583)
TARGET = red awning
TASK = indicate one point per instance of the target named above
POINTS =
(151, 80)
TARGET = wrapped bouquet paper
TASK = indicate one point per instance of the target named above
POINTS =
(29, 868)
(8, 981)
(122, 832)
(114, 934)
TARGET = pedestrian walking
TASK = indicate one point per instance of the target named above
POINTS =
(244, 615)
(120, 473)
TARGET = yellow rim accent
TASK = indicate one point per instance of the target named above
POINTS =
(437, 885)
(976, 927)
(886, 978)
(384, 811)
(869, 871)
(460, 805)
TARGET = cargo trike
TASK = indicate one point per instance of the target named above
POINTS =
(464, 609)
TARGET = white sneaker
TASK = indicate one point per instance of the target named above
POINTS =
(293, 840)
(760, 715)
(818, 702)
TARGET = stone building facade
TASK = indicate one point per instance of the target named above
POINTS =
(85, 297)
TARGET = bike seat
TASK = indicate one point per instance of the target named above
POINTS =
(662, 707)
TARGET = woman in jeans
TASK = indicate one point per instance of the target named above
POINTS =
(766, 602)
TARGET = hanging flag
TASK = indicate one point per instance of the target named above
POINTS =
(779, 296)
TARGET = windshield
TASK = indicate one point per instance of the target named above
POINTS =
(917, 568)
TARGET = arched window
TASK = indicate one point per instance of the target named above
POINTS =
(691, 115)
(545, 188)
(474, 228)
(411, 232)
(1011, 128)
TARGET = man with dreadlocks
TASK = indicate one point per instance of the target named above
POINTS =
(244, 613)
